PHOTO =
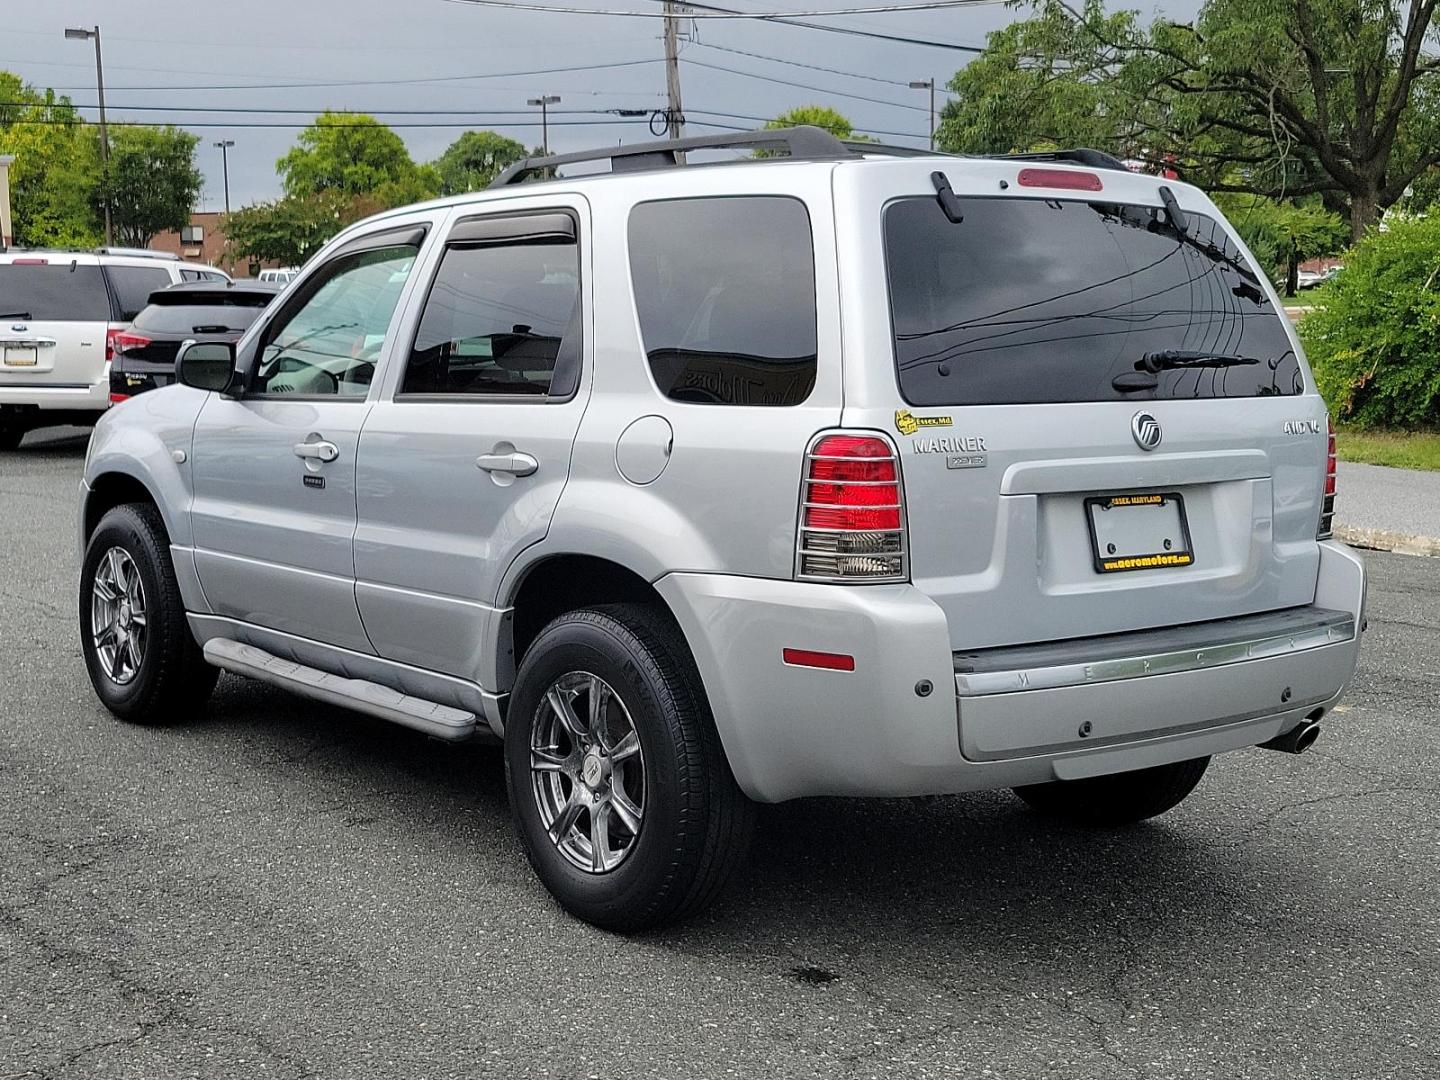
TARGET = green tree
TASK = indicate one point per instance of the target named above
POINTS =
(56, 169)
(1282, 98)
(289, 230)
(1374, 341)
(152, 182)
(355, 154)
(473, 160)
(1282, 235)
(821, 116)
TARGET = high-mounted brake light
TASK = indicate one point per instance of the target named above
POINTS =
(29, 262)
(1327, 504)
(1069, 179)
(852, 520)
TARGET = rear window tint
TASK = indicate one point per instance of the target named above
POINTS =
(1041, 300)
(55, 292)
(725, 291)
(190, 318)
(133, 286)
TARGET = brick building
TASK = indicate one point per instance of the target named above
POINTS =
(200, 241)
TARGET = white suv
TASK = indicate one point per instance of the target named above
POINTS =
(705, 485)
(59, 313)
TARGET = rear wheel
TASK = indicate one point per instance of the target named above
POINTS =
(141, 657)
(622, 795)
(1119, 799)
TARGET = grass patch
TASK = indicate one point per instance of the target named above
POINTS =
(1398, 449)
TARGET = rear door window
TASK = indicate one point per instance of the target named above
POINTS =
(1049, 300)
(53, 292)
(133, 286)
(725, 291)
(501, 319)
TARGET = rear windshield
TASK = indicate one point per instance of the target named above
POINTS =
(1046, 300)
(208, 318)
(54, 292)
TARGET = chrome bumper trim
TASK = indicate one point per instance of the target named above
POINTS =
(1081, 673)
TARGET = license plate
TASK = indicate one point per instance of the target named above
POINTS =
(1143, 531)
(20, 357)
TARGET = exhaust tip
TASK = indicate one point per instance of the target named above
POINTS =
(1306, 737)
(1297, 740)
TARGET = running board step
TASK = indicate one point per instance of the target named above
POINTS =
(440, 721)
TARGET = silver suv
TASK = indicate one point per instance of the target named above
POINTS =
(61, 313)
(700, 485)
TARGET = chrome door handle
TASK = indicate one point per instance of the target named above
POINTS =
(317, 451)
(516, 464)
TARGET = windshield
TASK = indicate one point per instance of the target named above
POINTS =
(1048, 300)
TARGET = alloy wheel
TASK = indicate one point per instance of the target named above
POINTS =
(587, 772)
(118, 618)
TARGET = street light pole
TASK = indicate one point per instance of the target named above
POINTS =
(928, 84)
(224, 145)
(80, 34)
(545, 102)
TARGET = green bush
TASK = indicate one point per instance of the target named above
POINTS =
(1374, 339)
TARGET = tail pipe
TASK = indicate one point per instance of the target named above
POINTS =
(1299, 738)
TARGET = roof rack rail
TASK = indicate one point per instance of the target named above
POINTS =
(863, 146)
(800, 142)
(1081, 155)
(138, 253)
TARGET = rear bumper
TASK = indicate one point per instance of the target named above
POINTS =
(794, 731)
(81, 398)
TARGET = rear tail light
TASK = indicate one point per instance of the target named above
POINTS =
(110, 335)
(116, 399)
(852, 512)
(1327, 504)
(119, 342)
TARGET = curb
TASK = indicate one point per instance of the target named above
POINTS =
(1385, 540)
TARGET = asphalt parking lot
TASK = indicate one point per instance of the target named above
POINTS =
(280, 889)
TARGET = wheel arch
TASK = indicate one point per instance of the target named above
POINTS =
(551, 584)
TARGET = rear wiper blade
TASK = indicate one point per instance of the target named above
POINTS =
(16, 315)
(214, 330)
(1169, 359)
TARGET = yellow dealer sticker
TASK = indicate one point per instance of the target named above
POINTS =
(908, 424)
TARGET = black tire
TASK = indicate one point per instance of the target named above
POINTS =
(171, 681)
(1119, 799)
(10, 436)
(696, 824)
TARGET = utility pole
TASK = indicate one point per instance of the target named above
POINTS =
(544, 102)
(928, 84)
(676, 127)
(75, 34)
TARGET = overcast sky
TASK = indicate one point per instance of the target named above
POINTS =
(166, 59)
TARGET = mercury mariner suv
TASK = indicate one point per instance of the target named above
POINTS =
(830, 471)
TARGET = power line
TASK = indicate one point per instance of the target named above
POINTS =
(374, 82)
(707, 12)
(782, 19)
(805, 86)
(800, 64)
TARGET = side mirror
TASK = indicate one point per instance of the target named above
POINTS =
(206, 365)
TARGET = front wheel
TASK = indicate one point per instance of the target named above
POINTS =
(622, 796)
(142, 659)
(1118, 799)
